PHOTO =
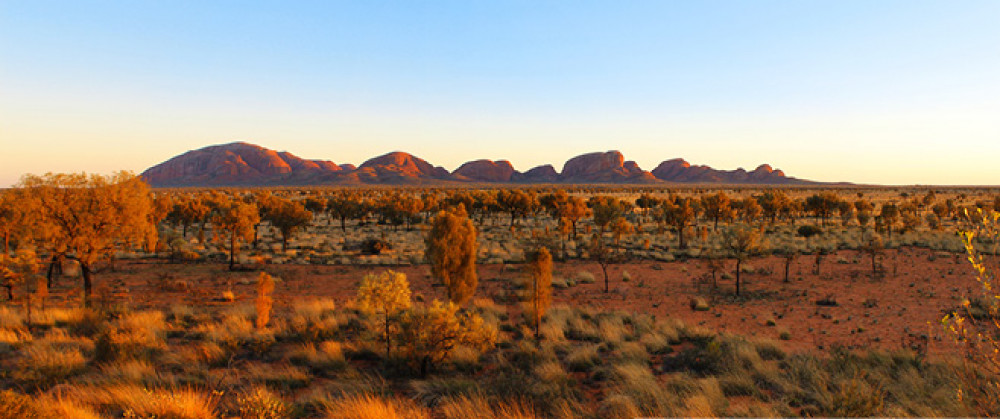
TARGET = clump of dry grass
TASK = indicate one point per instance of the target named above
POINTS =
(368, 406)
(142, 402)
(479, 407)
(48, 363)
(327, 355)
(312, 320)
(260, 403)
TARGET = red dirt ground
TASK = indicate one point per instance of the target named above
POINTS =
(907, 304)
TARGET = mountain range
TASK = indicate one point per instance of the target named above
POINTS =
(243, 164)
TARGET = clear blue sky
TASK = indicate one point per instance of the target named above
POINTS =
(895, 92)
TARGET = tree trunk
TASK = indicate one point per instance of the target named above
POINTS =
(343, 224)
(738, 262)
(788, 265)
(51, 272)
(388, 342)
(284, 242)
(6, 242)
(604, 268)
(88, 284)
(10, 291)
(680, 237)
(232, 250)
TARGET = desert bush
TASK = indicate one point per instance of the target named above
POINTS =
(428, 335)
(585, 277)
(260, 403)
(16, 405)
(479, 407)
(583, 358)
(451, 249)
(312, 320)
(45, 363)
(265, 286)
(278, 375)
(141, 402)
(367, 406)
(385, 295)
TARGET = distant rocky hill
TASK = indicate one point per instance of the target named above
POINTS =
(243, 164)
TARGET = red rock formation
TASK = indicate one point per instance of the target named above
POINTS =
(678, 170)
(609, 167)
(247, 165)
(485, 171)
(541, 174)
(230, 164)
(399, 166)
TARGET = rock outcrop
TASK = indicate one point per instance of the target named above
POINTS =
(242, 164)
(608, 167)
(485, 171)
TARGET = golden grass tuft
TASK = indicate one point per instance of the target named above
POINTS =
(478, 407)
(368, 406)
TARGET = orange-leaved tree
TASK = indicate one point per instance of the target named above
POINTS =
(429, 334)
(86, 217)
(235, 221)
(385, 295)
(289, 217)
(540, 269)
(451, 249)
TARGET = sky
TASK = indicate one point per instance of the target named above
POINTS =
(870, 91)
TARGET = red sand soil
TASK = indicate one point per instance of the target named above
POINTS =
(902, 307)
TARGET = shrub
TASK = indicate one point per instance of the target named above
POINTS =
(367, 406)
(260, 403)
(585, 277)
(428, 335)
(46, 364)
(384, 295)
(265, 286)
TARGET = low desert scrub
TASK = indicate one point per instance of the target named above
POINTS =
(478, 407)
(367, 406)
(260, 403)
(583, 358)
(47, 363)
(326, 356)
(277, 375)
(11, 319)
(142, 402)
(312, 320)
(637, 382)
(137, 334)
(585, 277)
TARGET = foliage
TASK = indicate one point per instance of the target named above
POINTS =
(265, 286)
(88, 217)
(980, 338)
(385, 295)
(540, 269)
(238, 220)
(429, 334)
(451, 250)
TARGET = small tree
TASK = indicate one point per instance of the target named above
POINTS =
(289, 217)
(428, 335)
(600, 253)
(238, 221)
(540, 269)
(979, 376)
(17, 269)
(742, 242)
(451, 249)
(265, 286)
(874, 248)
(385, 295)
(87, 217)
